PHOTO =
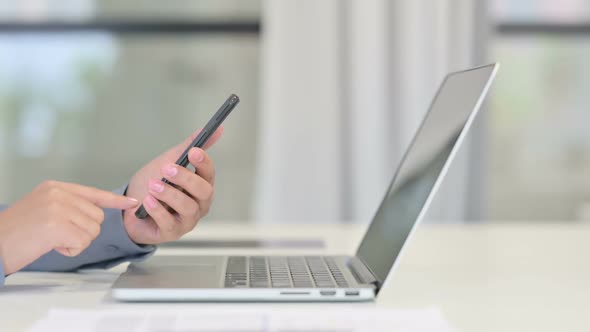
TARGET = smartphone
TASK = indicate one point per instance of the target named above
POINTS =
(201, 139)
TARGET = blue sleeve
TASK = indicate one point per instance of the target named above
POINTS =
(2, 276)
(112, 247)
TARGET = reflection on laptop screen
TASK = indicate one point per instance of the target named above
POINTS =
(421, 167)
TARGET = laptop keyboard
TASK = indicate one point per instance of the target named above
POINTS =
(283, 272)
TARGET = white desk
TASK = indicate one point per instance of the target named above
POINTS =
(483, 277)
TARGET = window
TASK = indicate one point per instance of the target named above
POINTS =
(539, 119)
(90, 92)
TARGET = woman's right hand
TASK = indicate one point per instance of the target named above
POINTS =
(55, 215)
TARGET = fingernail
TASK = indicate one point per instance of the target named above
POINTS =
(133, 201)
(156, 186)
(170, 171)
(150, 202)
(198, 155)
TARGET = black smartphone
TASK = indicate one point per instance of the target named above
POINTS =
(201, 139)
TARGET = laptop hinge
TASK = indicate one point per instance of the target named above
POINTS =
(362, 273)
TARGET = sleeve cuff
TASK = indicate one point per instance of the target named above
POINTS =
(118, 242)
(120, 233)
(2, 276)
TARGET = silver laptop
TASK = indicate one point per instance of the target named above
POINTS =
(329, 278)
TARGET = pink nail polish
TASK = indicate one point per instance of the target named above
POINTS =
(150, 202)
(156, 186)
(170, 171)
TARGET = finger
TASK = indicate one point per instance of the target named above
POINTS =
(63, 251)
(192, 183)
(85, 223)
(176, 151)
(73, 252)
(169, 227)
(81, 219)
(68, 252)
(101, 198)
(186, 207)
(212, 140)
(203, 164)
(92, 211)
(73, 241)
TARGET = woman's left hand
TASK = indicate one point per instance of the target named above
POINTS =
(185, 203)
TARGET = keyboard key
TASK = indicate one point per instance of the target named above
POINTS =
(283, 272)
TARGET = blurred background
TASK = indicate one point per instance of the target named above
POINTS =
(332, 92)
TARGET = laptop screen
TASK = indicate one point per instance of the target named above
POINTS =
(421, 167)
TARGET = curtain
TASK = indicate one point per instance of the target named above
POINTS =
(344, 86)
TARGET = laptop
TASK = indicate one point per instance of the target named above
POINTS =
(330, 278)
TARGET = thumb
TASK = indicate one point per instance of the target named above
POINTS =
(174, 153)
(101, 198)
(212, 140)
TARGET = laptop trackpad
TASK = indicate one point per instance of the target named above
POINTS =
(200, 273)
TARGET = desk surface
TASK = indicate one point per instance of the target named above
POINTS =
(483, 277)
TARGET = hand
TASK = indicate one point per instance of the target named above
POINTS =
(184, 204)
(55, 215)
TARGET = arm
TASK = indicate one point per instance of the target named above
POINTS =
(63, 226)
(62, 219)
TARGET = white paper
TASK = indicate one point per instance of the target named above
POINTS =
(223, 319)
